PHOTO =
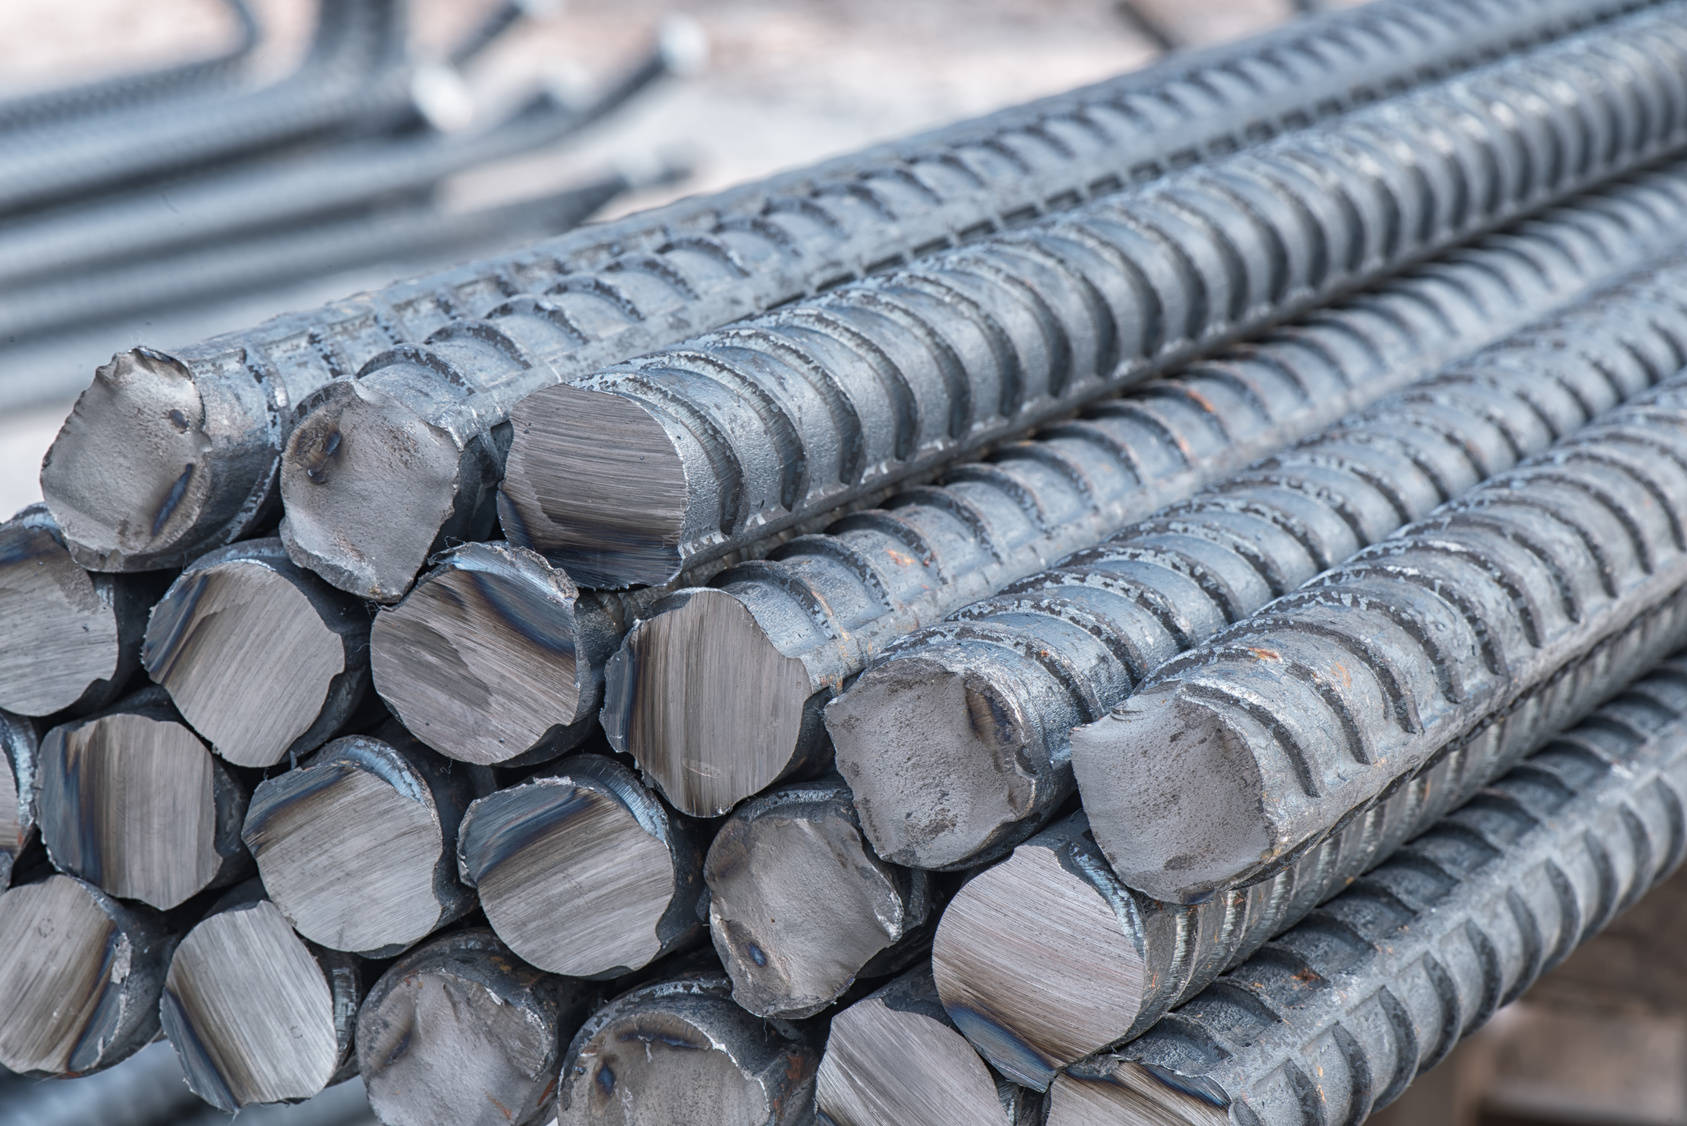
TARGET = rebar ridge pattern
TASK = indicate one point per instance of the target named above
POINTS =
(1336, 1017)
(1065, 646)
(756, 428)
(1403, 649)
(834, 601)
(906, 198)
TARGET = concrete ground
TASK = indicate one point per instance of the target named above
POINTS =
(788, 82)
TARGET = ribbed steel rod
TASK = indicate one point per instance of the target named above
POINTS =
(1382, 981)
(1112, 961)
(1387, 658)
(260, 656)
(894, 1056)
(801, 623)
(354, 78)
(20, 782)
(799, 906)
(631, 475)
(861, 387)
(162, 89)
(357, 845)
(459, 1031)
(260, 261)
(679, 1050)
(68, 638)
(496, 657)
(255, 1013)
(207, 207)
(81, 974)
(584, 872)
(958, 743)
(241, 392)
(132, 801)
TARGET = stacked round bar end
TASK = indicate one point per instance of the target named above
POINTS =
(939, 633)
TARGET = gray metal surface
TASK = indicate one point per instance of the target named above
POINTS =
(261, 657)
(1577, 555)
(81, 974)
(196, 78)
(820, 608)
(248, 385)
(631, 475)
(679, 1050)
(1334, 1018)
(19, 783)
(354, 78)
(69, 639)
(1064, 647)
(800, 908)
(459, 1031)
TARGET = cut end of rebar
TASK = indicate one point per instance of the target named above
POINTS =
(595, 481)
(59, 633)
(250, 1012)
(798, 906)
(932, 754)
(233, 629)
(129, 803)
(1108, 1092)
(568, 876)
(349, 855)
(709, 707)
(866, 1077)
(462, 1039)
(657, 1068)
(481, 659)
(132, 471)
(1036, 967)
(73, 979)
(1174, 795)
(368, 486)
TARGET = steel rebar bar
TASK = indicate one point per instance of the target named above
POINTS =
(1399, 651)
(801, 623)
(356, 845)
(582, 871)
(895, 1056)
(633, 474)
(799, 906)
(81, 974)
(132, 801)
(262, 658)
(459, 1031)
(255, 1013)
(68, 638)
(161, 88)
(1013, 675)
(20, 783)
(241, 391)
(679, 1050)
(1382, 981)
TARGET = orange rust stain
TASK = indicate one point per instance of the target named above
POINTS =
(1342, 671)
(1265, 654)
(509, 1116)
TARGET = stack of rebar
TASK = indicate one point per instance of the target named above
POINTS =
(1163, 604)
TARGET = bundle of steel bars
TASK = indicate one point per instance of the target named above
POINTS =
(1167, 603)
